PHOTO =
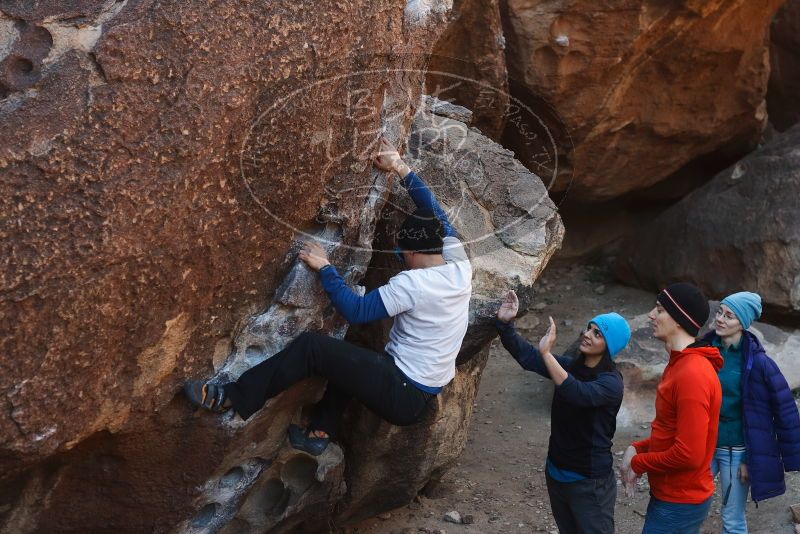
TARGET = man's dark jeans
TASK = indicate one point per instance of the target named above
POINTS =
(675, 518)
(352, 372)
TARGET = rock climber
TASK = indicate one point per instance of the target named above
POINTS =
(429, 301)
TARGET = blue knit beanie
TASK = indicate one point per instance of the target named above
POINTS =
(746, 306)
(615, 331)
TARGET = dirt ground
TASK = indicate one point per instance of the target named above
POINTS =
(499, 480)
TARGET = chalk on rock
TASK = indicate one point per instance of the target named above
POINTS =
(417, 12)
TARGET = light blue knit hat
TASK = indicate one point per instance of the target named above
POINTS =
(615, 331)
(746, 306)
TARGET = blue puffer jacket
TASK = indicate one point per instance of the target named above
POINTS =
(771, 420)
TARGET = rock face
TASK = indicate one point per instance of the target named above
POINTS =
(164, 164)
(148, 197)
(642, 88)
(741, 231)
(783, 96)
(468, 64)
(643, 362)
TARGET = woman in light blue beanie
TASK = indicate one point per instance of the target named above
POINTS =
(588, 391)
(745, 305)
(759, 426)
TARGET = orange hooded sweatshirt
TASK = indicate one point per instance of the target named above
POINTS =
(677, 455)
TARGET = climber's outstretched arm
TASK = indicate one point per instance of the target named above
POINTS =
(388, 159)
(354, 308)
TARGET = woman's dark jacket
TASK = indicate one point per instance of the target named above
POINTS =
(770, 418)
(583, 416)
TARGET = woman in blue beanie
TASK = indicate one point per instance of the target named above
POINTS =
(588, 393)
(759, 426)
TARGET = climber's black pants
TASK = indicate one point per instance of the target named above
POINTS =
(352, 372)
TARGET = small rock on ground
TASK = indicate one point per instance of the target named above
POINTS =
(453, 517)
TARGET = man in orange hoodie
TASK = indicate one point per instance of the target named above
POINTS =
(677, 455)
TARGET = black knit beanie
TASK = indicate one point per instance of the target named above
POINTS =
(421, 232)
(686, 304)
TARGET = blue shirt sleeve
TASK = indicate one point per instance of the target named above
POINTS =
(525, 353)
(354, 308)
(423, 197)
(605, 390)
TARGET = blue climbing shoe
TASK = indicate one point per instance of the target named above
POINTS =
(301, 441)
(205, 395)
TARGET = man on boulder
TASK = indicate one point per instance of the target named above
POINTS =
(429, 302)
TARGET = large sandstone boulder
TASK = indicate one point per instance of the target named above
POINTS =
(642, 88)
(783, 96)
(166, 161)
(152, 185)
(741, 231)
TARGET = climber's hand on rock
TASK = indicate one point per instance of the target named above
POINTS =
(508, 308)
(314, 255)
(388, 159)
